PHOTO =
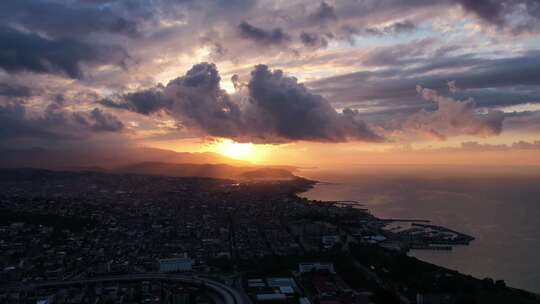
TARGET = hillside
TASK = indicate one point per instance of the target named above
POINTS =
(97, 159)
(207, 170)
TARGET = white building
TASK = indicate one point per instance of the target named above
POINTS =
(308, 267)
(175, 264)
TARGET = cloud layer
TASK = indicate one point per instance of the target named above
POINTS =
(453, 117)
(30, 52)
(55, 123)
(277, 108)
(356, 63)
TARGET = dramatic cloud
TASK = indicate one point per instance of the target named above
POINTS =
(143, 102)
(262, 36)
(313, 40)
(360, 62)
(492, 82)
(324, 13)
(453, 117)
(98, 121)
(195, 100)
(199, 102)
(295, 113)
(63, 20)
(14, 90)
(279, 109)
(55, 123)
(489, 10)
(29, 52)
(499, 13)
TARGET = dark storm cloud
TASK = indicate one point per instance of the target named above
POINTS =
(98, 121)
(498, 12)
(279, 109)
(143, 102)
(324, 13)
(54, 123)
(58, 19)
(200, 103)
(365, 17)
(14, 90)
(492, 82)
(20, 51)
(12, 120)
(313, 40)
(489, 10)
(478, 86)
(67, 38)
(195, 99)
(401, 27)
(296, 113)
(263, 36)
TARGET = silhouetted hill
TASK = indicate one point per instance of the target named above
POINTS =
(267, 173)
(206, 170)
(103, 158)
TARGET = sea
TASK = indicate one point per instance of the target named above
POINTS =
(499, 206)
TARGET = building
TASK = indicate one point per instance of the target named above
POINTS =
(271, 297)
(330, 241)
(256, 283)
(304, 301)
(309, 267)
(175, 264)
(282, 282)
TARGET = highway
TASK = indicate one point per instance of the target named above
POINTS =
(227, 293)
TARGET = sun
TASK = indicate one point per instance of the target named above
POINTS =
(232, 149)
(237, 150)
(250, 152)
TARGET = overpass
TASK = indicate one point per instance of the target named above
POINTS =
(228, 294)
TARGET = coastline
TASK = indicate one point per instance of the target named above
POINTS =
(433, 246)
(406, 240)
(508, 251)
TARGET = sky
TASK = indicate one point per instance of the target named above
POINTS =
(297, 82)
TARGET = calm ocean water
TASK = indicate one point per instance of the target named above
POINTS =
(500, 208)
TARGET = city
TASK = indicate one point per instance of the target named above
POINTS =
(269, 151)
(90, 237)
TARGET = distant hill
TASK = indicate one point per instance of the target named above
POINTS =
(140, 160)
(267, 173)
(207, 170)
(103, 158)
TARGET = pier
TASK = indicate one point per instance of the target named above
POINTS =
(346, 203)
(405, 220)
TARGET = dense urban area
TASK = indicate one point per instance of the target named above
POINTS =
(89, 237)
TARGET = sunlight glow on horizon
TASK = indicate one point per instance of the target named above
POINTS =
(235, 150)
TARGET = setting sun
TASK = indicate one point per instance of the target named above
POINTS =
(237, 150)
(232, 149)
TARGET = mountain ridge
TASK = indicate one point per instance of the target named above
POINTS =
(223, 171)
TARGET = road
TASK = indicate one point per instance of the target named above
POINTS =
(227, 293)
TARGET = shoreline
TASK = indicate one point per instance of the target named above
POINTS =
(407, 239)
